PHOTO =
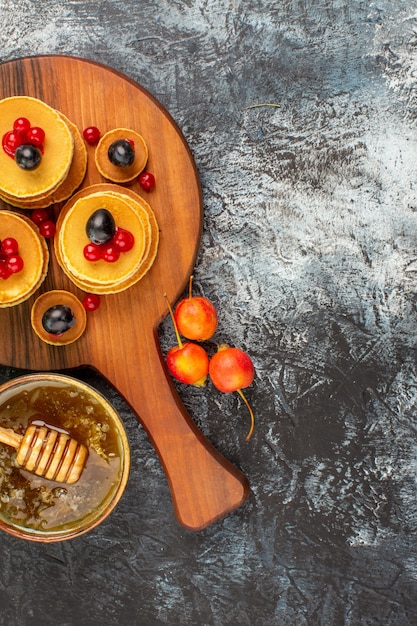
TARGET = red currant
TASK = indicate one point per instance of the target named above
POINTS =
(110, 252)
(132, 143)
(123, 240)
(21, 125)
(35, 136)
(146, 181)
(47, 229)
(92, 135)
(9, 246)
(92, 252)
(11, 140)
(5, 272)
(39, 215)
(91, 302)
(15, 263)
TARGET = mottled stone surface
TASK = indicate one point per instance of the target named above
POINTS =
(309, 251)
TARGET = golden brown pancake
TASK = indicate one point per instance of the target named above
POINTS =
(116, 173)
(133, 211)
(67, 187)
(72, 239)
(58, 149)
(34, 252)
(53, 298)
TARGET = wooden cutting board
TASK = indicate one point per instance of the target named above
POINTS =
(121, 337)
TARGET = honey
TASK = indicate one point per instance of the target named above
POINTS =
(41, 506)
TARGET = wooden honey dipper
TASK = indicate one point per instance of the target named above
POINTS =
(47, 451)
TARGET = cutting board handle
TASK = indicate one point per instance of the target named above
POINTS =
(204, 485)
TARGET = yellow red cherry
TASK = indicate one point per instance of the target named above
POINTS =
(196, 317)
(231, 369)
(187, 362)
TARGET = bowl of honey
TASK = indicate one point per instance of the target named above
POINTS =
(35, 506)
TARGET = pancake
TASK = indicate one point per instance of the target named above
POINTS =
(116, 173)
(72, 181)
(34, 252)
(135, 210)
(58, 150)
(53, 298)
(73, 238)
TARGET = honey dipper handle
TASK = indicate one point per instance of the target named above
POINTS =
(9, 437)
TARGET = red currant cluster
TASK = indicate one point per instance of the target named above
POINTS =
(122, 241)
(10, 260)
(44, 222)
(92, 136)
(22, 133)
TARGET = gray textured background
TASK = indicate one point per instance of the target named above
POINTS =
(309, 252)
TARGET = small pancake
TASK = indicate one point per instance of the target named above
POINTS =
(73, 180)
(116, 173)
(34, 252)
(139, 205)
(58, 149)
(54, 298)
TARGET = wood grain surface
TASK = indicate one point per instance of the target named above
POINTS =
(121, 337)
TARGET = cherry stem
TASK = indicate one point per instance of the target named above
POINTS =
(263, 104)
(190, 287)
(180, 344)
(252, 417)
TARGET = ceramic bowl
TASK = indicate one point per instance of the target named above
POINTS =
(37, 509)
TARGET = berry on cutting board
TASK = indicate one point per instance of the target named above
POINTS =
(91, 135)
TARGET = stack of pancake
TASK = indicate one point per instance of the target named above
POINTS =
(130, 212)
(64, 159)
(34, 252)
